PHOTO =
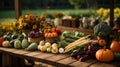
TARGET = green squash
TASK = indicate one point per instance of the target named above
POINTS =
(32, 46)
(12, 43)
(117, 56)
(25, 43)
(17, 44)
(14, 36)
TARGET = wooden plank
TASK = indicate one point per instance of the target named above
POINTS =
(33, 53)
(12, 61)
(116, 63)
(44, 55)
(41, 57)
(7, 49)
(65, 62)
(83, 64)
(5, 60)
(17, 62)
(100, 64)
(57, 57)
(53, 59)
(21, 52)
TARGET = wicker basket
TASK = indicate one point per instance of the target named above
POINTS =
(36, 40)
(51, 39)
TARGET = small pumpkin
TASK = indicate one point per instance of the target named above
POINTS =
(115, 46)
(101, 42)
(54, 45)
(53, 29)
(42, 43)
(43, 48)
(49, 49)
(51, 34)
(104, 55)
(48, 44)
(54, 50)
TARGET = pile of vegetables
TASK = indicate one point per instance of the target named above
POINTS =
(16, 40)
(80, 42)
(52, 34)
(84, 53)
(69, 37)
(79, 45)
(103, 31)
(49, 47)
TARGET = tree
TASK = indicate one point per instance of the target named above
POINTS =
(76, 3)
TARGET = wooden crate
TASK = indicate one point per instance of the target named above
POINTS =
(66, 22)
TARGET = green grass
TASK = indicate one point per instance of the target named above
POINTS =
(11, 13)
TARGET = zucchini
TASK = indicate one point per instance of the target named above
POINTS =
(63, 43)
(72, 37)
(69, 40)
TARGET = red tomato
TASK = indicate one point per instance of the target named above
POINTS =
(1, 40)
(58, 31)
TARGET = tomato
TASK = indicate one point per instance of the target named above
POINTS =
(58, 31)
(1, 40)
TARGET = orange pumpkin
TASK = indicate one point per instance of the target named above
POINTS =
(56, 30)
(104, 55)
(51, 34)
(53, 29)
(101, 42)
(115, 46)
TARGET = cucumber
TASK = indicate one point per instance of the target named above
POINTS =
(69, 40)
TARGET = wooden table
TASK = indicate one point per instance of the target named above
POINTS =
(15, 58)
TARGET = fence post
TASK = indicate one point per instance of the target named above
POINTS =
(111, 13)
(18, 9)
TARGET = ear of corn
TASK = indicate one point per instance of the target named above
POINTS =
(80, 42)
(85, 37)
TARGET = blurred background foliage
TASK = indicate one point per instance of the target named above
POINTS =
(84, 7)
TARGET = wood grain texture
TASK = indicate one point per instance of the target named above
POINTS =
(66, 61)
(57, 57)
(44, 55)
(33, 53)
(99, 64)
(83, 64)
